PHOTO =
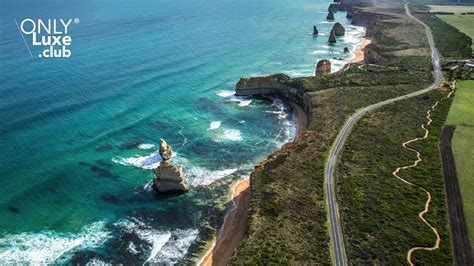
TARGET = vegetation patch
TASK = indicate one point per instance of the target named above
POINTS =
(464, 23)
(451, 42)
(379, 213)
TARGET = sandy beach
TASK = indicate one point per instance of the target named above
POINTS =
(359, 51)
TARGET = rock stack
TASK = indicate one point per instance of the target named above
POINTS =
(332, 37)
(333, 7)
(346, 50)
(330, 15)
(315, 30)
(323, 67)
(169, 178)
(338, 29)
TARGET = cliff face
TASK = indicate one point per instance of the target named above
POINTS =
(274, 84)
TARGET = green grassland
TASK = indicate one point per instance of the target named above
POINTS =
(462, 110)
(463, 150)
(465, 23)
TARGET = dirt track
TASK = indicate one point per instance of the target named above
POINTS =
(460, 237)
(428, 194)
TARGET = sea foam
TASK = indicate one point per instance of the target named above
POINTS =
(163, 246)
(214, 125)
(47, 247)
(145, 146)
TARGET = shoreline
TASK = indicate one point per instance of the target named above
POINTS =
(234, 226)
(235, 221)
(359, 50)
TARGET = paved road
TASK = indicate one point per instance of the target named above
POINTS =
(337, 239)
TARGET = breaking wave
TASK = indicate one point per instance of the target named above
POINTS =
(145, 146)
(48, 247)
(214, 125)
(162, 247)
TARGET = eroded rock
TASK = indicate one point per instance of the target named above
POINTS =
(323, 67)
(338, 29)
(169, 178)
(315, 30)
(332, 37)
(330, 15)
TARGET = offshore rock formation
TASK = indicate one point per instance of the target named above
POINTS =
(332, 37)
(169, 178)
(333, 7)
(330, 15)
(315, 30)
(323, 67)
(346, 50)
(338, 29)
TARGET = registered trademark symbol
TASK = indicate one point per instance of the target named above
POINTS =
(76, 21)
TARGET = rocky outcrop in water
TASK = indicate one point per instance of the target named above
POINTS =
(315, 30)
(330, 16)
(346, 50)
(338, 29)
(333, 7)
(169, 178)
(332, 37)
(323, 67)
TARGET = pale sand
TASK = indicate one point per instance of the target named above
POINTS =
(235, 222)
(359, 51)
(233, 229)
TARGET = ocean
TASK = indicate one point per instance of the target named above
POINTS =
(79, 135)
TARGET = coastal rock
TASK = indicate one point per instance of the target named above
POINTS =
(323, 67)
(333, 7)
(338, 29)
(346, 50)
(315, 30)
(169, 178)
(332, 37)
(372, 55)
(272, 84)
(330, 16)
(165, 150)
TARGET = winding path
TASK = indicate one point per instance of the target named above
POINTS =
(337, 240)
(428, 194)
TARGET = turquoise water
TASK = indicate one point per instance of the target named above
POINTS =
(78, 135)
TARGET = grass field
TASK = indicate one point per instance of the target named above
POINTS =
(464, 23)
(461, 114)
(462, 110)
(462, 145)
(457, 9)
